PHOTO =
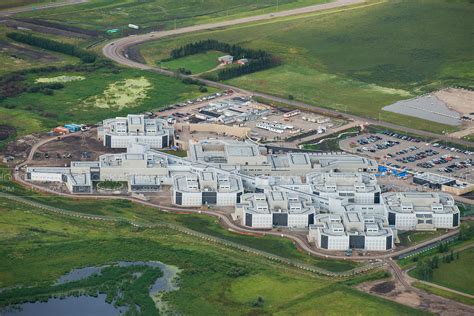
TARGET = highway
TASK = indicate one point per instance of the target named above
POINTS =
(116, 50)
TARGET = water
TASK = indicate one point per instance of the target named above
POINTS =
(88, 305)
(69, 306)
(79, 274)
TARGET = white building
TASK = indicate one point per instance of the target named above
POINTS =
(206, 188)
(421, 210)
(275, 208)
(351, 230)
(351, 188)
(120, 132)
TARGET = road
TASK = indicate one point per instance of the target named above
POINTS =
(14, 11)
(117, 51)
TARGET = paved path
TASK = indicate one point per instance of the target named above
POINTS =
(14, 11)
(117, 51)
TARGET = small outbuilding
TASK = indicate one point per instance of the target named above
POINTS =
(226, 59)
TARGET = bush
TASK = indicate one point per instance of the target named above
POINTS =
(202, 89)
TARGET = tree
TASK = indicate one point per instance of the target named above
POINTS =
(435, 262)
(424, 269)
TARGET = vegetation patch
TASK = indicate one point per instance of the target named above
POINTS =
(122, 94)
(60, 79)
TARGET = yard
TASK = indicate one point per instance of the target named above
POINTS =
(355, 60)
(197, 63)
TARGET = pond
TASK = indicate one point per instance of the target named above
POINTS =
(89, 305)
(71, 306)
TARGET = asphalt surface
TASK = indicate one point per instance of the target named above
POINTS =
(14, 11)
(117, 51)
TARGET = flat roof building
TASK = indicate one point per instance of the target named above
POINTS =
(206, 188)
(275, 208)
(351, 230)
(421, 210)
(120, 132)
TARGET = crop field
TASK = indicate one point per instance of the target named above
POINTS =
(238, 279)
(94, 96)
(356, 60)
(160, 14)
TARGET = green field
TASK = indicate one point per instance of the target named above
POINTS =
(458, 274)
(160, 14)
(197, 63)
(415, 237)
(469, 138)
(39, 247)
(356, 60)
(101, 94)
(7, 4)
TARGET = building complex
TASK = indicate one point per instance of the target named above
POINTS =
(335, 197)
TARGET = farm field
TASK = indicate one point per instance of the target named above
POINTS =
(358, 60)
(197, 63)
(160, 14)
(29, 237)
(99, 94)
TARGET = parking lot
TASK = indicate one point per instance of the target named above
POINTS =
(413, 154)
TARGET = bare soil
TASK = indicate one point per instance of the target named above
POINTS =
(459, 100)
(383, 288)
(23, 52)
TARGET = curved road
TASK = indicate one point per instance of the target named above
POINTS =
(117, 51)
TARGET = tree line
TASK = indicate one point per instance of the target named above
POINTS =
(68, 49)
(258, 59)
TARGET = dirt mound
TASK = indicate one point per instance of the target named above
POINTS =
(6, 131)
(383, 288)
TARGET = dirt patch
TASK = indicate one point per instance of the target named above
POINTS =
(79, 147)
(122, 94)
(459, 100)
(6, 131)
(22, 52)
(61, 28)
(385, 287)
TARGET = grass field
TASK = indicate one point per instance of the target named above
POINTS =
(415, 237)
(38, 248)
(197, 63)
(458, 274)
(333, 143)
(161, 14)
(8, 4)
(102, 94)
(357, 60)
(469, 137)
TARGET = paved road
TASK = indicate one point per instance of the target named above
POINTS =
(14, 11)
(117, 51)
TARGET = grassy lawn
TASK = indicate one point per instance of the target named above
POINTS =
(458, 274)
(39, 247)
(160, 14)
(469, 138)
(356, 60)
(196, 63)
(414, 237)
